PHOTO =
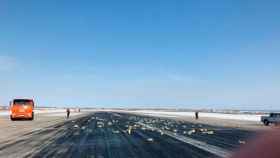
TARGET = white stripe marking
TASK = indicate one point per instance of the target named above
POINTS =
(199, 144)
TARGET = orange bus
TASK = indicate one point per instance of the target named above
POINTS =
(22, 109)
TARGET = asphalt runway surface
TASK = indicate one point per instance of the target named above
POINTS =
(121, 135)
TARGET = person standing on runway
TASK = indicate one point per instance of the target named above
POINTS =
(68, 112)
(196, 115)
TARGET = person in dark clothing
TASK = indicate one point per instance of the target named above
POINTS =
(196, 115)
(68, 113)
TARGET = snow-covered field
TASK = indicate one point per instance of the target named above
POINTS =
(60, 114)
(48, 112)
(241, 117)
(4, 113)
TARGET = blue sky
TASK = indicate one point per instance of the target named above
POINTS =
(192, 54)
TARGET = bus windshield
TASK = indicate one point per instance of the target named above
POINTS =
(23, 102)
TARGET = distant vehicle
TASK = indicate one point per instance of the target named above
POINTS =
(272, 118)
(22, 109)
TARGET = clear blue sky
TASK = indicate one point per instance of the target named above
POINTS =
(117, 53)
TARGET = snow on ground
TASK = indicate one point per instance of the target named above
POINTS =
(4, 113)
(242, 117)
(51, 112)
(41, 111)
(62, 114)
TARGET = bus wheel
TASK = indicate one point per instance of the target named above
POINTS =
(11, 118)
(266, 122)
(32, 118)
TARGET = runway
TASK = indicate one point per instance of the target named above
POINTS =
(121, 135)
